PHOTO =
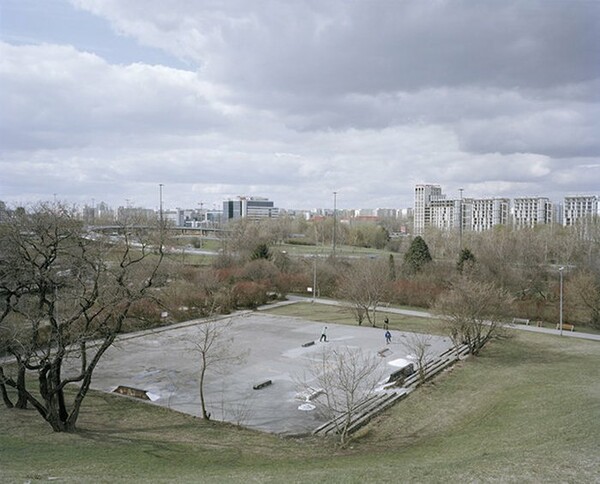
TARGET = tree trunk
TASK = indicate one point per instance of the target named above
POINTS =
(205, 414)
(56, 415)
(22, 393)
(5, 397)
(56, 423)
(7, 402)
(60, 395)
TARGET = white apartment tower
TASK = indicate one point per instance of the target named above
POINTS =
(433, 209)
(579, 208)
(444, 214)
(424, 195)
(484, 213)
(531, 211)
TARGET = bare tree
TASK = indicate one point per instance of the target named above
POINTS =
(473, 312)
(364, 284)
(419, 345)
(584, 290)
(347, 377)
(214, 345)
(72, 297)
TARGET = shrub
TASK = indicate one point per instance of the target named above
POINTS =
(249, 294)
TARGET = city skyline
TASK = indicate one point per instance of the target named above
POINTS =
(441, 195)
(294, 101)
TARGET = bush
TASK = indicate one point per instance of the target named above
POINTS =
(259, 270)
(143, 314)
(305, 242)
(250, 294)
(415, 292)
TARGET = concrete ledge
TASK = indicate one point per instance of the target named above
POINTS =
(263, 384)
(132, 392)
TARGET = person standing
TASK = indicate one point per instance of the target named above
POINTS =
(386, 323)
(323, 335)
(388, 337)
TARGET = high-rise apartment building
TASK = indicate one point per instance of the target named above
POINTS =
(480, 214)
(579, 208)
(424, 195)
(531, 211)
(444, 214)
(433, 209)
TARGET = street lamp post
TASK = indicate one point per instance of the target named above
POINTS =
(314, 294)
(560, 315)
(160, 206)
(334, 220)
(460, 218)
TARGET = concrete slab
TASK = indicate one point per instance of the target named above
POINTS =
(164, 364)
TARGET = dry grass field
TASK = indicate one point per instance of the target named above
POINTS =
(526, 410)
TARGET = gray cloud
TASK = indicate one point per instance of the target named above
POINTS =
(55, 96)
(371, 47)
(298, 99)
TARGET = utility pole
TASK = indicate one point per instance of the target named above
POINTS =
(460, 218)
(160, 206)
(334, 220)
(314, 292)
(560, 316)
(161, 229)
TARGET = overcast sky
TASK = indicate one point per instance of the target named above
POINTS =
(292, 100)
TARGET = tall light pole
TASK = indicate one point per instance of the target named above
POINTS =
(160, 206)
(560, 315)
(334, 220)
(460, 218)
(160, 215)
(314, 277)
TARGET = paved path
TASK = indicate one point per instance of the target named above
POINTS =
(425, 314)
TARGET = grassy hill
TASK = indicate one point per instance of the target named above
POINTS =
(526, 410)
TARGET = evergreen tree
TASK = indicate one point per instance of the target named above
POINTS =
(392, 267)
(261, 251)
(417, 255)
(466, 259)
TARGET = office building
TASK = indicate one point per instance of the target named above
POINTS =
(253, 208)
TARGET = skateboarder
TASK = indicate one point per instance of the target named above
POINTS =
(323, 335)
(388, 337)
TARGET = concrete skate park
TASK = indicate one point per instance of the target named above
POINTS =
(164, 364)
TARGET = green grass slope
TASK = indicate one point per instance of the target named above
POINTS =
(526, 410)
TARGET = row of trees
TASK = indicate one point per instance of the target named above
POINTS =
(524, 262)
